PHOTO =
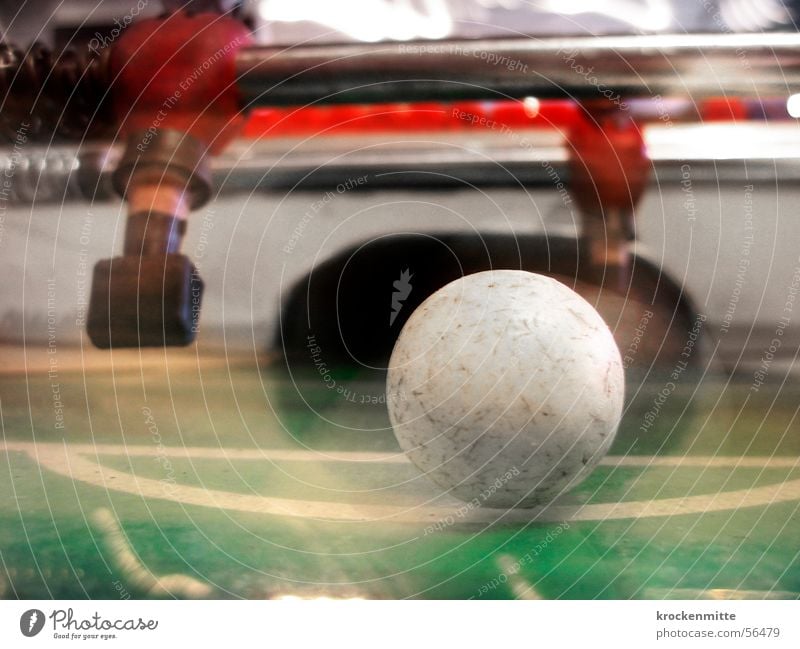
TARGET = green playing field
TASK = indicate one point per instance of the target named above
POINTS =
(165, 476)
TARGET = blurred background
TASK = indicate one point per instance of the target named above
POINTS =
(308, 185)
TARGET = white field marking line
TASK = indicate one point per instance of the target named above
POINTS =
(71, 464)
(710, 461)
(303, 455)
(137, 575)
(520, 587)
(717, 594)
(217, 453)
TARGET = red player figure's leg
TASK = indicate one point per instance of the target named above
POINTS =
(609, 168)
(175, 101)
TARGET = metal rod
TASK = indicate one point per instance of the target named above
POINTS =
(584, 67)
(717, 154)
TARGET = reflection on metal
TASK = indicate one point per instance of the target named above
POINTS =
(583, 67)
(649, 15)
(755, 15)
(716, 152)
(725, 594)
(403, 20)
(367, 21)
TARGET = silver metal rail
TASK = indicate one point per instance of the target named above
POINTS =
(716, 154)
(585, 68)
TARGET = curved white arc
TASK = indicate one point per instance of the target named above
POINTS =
(70, 462)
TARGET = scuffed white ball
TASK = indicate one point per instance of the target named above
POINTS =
(505, 388)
